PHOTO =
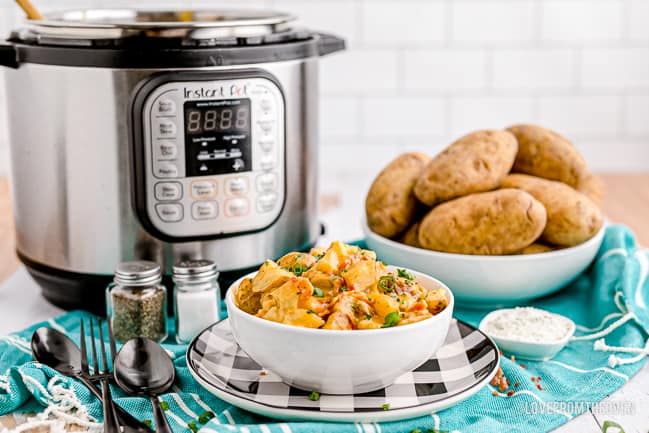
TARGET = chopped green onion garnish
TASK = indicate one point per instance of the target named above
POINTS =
(317, 292)
(310, 312)
(343, 289)
(405, 274)
(368, 317)
(416, 431)
(386, 282)
(391, 319)
(164, 405)
(192, 426)
(147, 422)
(386, 406)
(205, 417)
(314, 396)
(298, 268)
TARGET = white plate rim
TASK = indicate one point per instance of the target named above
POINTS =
(365, 416)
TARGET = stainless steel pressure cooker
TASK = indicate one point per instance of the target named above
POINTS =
(160, 135)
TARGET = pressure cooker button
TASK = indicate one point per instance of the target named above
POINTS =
(266, 202)
(170, 212)
(203, 189)
(236, 207)
(167, 191)
(166, 170)
(168, 151)
(267, 162)
(267, 144)
(205, 210)
(266, 104)
(267, 182)
(266, 125)
(166, 107)
(167, 128)
(236, 186)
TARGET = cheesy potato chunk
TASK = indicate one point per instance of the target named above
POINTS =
(342, 287)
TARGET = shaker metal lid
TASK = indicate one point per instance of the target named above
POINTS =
(195, 270)
(184, 24)
(137, 273)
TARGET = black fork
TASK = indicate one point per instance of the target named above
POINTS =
(101, 373)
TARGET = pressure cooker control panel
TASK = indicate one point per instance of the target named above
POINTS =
(213, 156)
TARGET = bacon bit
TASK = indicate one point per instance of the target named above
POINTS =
(495, 393)
(500, 352)
(419, 306)
(538, 378)
(510, 393)
(512, 358)
(538, 385)
(523, 366)
(503, 384)
(517, 384)
(262, 373)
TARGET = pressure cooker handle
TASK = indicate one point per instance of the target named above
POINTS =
(328, 44)
(8, 56)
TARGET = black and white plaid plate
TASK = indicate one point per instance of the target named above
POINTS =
(465, 363)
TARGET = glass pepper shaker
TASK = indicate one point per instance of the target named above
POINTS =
(196, 297)
(136, 302)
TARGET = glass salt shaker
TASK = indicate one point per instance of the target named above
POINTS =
(196, 297)
(136, 302)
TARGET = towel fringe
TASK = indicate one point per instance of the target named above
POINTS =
(604, 332)
(614, 360)
(63, 408)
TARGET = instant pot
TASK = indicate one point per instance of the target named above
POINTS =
(160, 135)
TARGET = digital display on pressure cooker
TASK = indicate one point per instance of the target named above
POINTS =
(217, 136)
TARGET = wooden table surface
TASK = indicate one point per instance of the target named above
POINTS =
(627, 201)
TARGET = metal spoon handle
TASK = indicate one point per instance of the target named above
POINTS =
(127, 421)
(161, 424)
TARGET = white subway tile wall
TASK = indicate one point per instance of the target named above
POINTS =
(419, 73)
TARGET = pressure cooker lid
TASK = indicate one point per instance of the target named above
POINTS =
(191, 27)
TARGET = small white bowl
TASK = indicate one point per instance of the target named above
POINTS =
(339, 362)
(492, 281)
(530, 350)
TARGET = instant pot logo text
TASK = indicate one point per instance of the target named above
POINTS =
(234, 90)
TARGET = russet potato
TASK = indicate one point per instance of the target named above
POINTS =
(390, 204)
(536, 248)
(592, 187)
(476, 162)
(547, 154)
(411, 236)
(489, 223)
(572, 217)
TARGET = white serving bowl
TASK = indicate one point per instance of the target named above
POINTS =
(339, 362)
(492, 281)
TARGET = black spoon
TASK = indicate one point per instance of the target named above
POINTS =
(55, 349)
(143, 368)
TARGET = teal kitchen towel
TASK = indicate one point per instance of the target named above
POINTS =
(608, 303)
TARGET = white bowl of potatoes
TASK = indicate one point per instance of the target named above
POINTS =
(501, 216)
(338, 321)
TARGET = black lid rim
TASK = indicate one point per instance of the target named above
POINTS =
(152, 56)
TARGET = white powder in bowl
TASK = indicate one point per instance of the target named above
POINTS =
(528, 324)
